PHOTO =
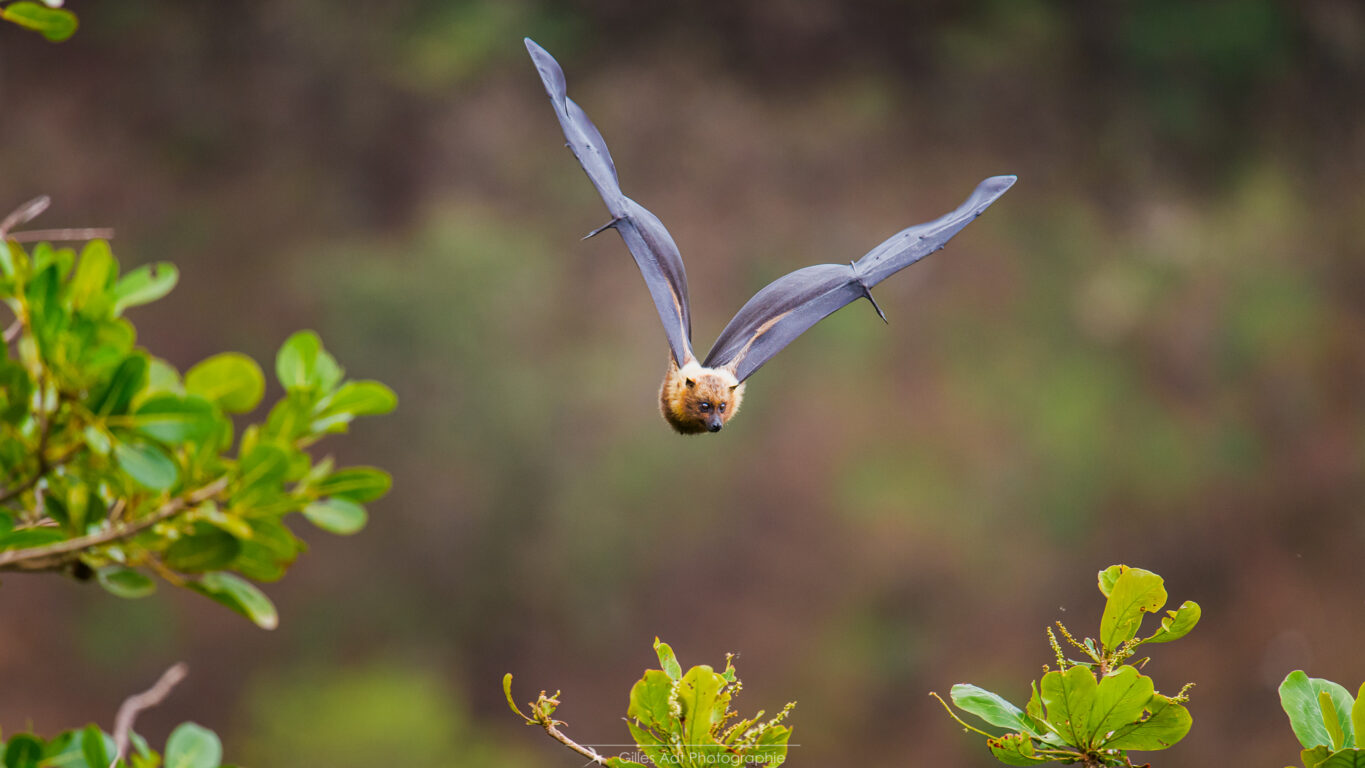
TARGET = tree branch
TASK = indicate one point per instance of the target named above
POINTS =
(131, 706)
(55, 555)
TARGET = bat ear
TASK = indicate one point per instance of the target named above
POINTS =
(732, 389)
(690, 383)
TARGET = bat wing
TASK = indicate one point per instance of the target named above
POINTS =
(649, 242)
(790, 305)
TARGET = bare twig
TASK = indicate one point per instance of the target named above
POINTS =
(56, 555)
(13, 330)
(542, 714)
(89, 233)
(131, 706)
(24, 214)
(549, 725)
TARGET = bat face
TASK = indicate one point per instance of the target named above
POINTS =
(695, 400)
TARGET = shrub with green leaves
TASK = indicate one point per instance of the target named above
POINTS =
(1327, 720)
(114, 465)
(1095, 710)
(190, 746)
(679, 719)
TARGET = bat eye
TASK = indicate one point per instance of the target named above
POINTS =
(722, 407)
(704, 406)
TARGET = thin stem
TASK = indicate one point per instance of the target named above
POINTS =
(133, 705)
(55, 555)
(558, 735)
(90, 233)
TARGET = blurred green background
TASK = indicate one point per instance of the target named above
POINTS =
(1149, 352)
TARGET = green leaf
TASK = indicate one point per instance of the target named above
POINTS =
(23, 751)
(992, 708)
(127, 380)
(53, 23)
(205, 548)
(174, 419)
(657, 750)
(339, 516)
(147, 464)
(359, 484)
(1346, 758)
(1331, 721)
(359, 398)
(239, 595)
(260, 473)
(96, 269)
(232, 380)
(1133, 595)
(1314, 757)
(619, 762)
(1177, 623)
(1014, 749)
(144, 285)
(16, 389)
(649, 701)
(1299, 698)
(1166, 723)
(1069, 698)
(125, 582)
(94, 746)
(28, 538)
(1107, 578)
(703, 708)
(193, 746)
(1120, 699)
(302, 364)
(1358, 716)
(667, 661)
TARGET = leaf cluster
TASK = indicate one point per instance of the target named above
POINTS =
(681, 719)
(47, 18)
(189, 746)
(1096, 709)
(1329, 722)
(114, 464)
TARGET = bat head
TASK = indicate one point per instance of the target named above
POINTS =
(696, 399)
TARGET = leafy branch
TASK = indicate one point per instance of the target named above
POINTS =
(678, 719)
(1095, 710)
(114, 464)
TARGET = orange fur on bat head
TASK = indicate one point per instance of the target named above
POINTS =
(696, 399)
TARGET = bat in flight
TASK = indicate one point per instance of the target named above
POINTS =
(702, 396)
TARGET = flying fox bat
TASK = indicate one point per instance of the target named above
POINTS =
(702, 396)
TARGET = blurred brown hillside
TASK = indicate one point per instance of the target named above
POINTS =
(1150, 351)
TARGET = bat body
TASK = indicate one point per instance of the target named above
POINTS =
(702, 395)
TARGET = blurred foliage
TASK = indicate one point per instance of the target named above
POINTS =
(190, 746)
(1328, 720)
(1096, 710)
(678, 718)
(356, 716)
(112, 463)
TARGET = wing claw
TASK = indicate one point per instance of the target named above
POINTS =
(867, 293)
(603, 228)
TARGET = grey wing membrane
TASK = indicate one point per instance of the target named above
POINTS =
(790, 305)
(649, 242)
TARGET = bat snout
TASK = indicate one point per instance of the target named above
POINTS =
(714, 424)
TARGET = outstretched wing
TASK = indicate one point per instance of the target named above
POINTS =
(648, 241)
(790, 305)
